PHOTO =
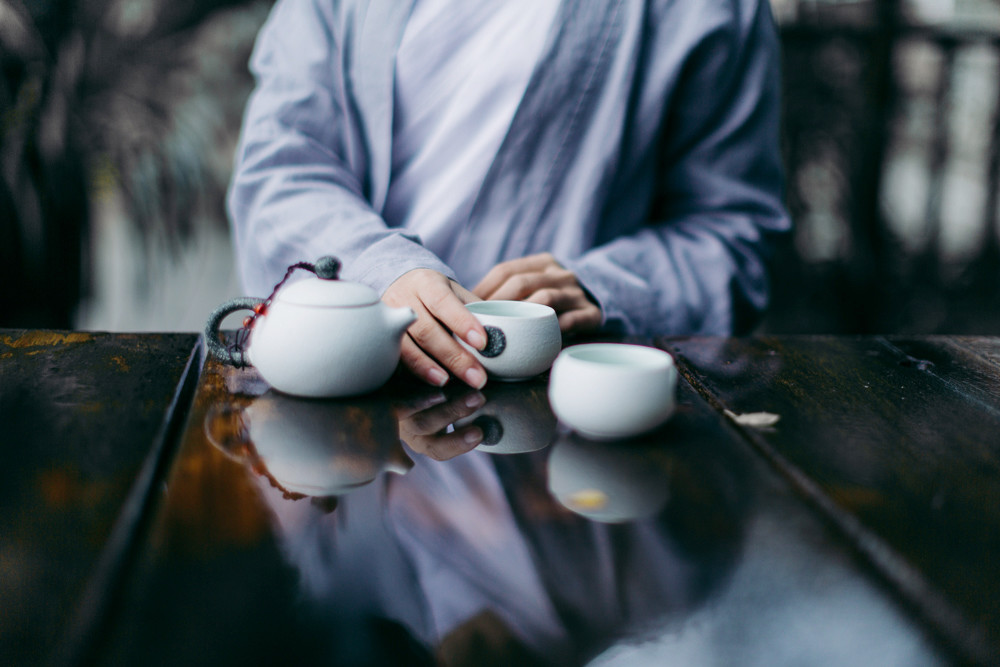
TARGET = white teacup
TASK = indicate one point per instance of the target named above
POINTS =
(607, 391)
(524, 338)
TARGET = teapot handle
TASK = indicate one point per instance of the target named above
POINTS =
(224, 354)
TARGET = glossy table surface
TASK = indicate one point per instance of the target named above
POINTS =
(155, 514)
(84, 424)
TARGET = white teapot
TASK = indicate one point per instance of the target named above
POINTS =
(319, 337)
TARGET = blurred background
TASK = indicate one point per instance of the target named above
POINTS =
(119, 119)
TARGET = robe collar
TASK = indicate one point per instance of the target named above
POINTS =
(560, 93)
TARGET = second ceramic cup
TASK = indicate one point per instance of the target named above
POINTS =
(607, 391)
(524, 338)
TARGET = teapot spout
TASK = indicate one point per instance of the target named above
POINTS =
(399, 319)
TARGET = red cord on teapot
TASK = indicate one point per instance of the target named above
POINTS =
(327, 268)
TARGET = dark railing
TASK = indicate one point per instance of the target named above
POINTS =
(852, 96)
(95, 97)
(850, 105)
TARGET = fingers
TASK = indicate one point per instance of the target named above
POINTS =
(523, 285)
(447, 307)
(433, 342)
(420, 364)
(561, 299)
(437, 418)
(579, 321)
(503, 273)
(449, 445)
(577, 313)
(541, 279)
(425, 430)
(429, 350)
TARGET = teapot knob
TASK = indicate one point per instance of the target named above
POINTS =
(327, 268)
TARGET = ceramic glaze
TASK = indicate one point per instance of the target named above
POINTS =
(319, 337)
(607, 391)
(327, 352)
(524, 338)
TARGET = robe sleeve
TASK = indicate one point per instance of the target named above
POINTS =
(700, 265)
(300, 188)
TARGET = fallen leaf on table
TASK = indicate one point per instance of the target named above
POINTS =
(754, 419)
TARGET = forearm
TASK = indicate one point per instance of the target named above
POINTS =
(691, 277)
(288, 205)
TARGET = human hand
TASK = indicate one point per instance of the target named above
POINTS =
(423, 426)
(439, 304)
(541, 279)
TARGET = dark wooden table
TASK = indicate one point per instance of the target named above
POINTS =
(86, 421)
(147, 520)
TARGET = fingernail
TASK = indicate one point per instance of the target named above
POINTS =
(430, 401)
(473, 436)
(475, 377)
(474, 400)
(437, 377)
(476, 339)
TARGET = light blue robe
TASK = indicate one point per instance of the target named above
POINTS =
(644, 156)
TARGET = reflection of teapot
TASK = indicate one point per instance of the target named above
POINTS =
(515, 418)
(606, 482)
(318, 337)
(309, 447)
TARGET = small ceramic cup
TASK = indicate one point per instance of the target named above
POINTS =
(524, 338)
(608, 391)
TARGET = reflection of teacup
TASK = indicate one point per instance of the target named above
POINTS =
(524, 338)
(605, 483)
(516, 418)
(312, 447)
(607, 391)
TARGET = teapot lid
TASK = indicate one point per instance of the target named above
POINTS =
(319, 292)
